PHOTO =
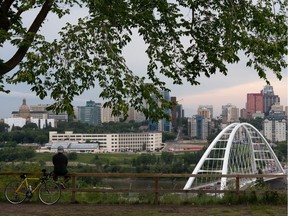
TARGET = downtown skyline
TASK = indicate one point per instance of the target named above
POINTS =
(215, 97)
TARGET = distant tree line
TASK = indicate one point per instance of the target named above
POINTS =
(30, 133)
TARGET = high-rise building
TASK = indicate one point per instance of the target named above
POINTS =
(199, 127)
(91, 113)
(254, 103)
(176, 112)
(269, 99)
(208, 107)
(243, 113)
(162, 124)
(275, 126)
(165, 125)
(134, 115)
(204, 112)
(230, 113)
(106, 115)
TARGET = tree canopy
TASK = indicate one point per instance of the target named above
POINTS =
(185, 39)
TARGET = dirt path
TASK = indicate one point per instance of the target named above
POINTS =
(32, 209)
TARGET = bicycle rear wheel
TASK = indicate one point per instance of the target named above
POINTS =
(15, 192)
(49, 192)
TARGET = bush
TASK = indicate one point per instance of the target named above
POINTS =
(72, 156)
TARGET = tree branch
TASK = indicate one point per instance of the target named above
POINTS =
(28, 39)
(4, 21)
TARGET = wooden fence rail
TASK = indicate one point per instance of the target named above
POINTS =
(156, 189)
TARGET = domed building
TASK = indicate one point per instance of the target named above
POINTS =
(28, 114)
(24, 111)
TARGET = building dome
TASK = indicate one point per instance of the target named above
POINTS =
(24, 111)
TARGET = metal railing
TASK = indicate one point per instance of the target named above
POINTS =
(156, 190)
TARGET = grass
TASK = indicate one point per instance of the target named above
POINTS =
(90, 158)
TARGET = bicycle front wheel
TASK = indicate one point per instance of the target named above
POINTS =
(49, 192)
(15, 192)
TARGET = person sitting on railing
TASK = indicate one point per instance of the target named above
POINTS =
(60, 162)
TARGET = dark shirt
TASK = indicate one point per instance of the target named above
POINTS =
(60, 162)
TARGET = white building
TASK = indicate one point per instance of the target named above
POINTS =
(16, 122)
(20, 122)
(118, 142)
(43, 123)
(70, 147)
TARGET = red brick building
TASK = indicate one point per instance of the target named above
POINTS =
(254, 103)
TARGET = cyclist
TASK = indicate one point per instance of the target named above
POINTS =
(60, 162)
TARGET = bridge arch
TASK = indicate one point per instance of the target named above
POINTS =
(238, 149)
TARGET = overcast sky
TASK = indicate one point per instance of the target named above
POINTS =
(217, 90)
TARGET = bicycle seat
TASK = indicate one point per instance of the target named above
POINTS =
(24, 175)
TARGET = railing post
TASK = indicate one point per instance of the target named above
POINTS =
(156, 190)
(73, 196)
(237, 186)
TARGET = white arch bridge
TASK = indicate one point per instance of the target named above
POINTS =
(238, 149)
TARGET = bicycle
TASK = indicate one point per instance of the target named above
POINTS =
(49, 192)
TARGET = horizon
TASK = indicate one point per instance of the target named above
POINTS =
(189, 109)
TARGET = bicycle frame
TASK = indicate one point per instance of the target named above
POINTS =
(25, 181)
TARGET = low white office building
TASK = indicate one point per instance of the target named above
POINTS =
(114, 142)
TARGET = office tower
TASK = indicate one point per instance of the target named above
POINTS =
(106, 115)
(254, 103)
(176, 112)
(208, 107)
(165, 125)
(134, 115)
(91, 113)
(243, 113)
(269, 98)
(230, 113)
(162, 124)
(199, 127)
(204, 112)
